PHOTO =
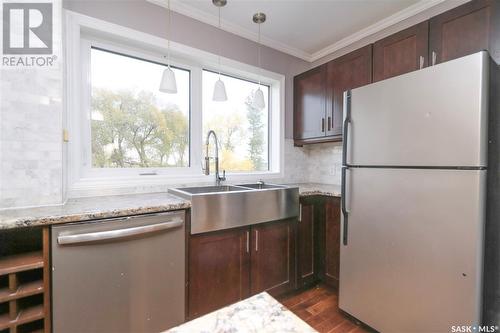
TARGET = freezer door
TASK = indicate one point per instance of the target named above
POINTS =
(436, 116)
(413, 259)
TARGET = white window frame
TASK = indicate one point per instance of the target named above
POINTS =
(83, 32)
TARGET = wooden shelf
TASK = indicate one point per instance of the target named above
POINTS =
(21, 262)
(25, 316)
(24, 290)
(30, 314)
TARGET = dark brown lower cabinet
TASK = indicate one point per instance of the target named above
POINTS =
(230, 265)
(273, 257)
(218, 270)
(318, 241)
(332, 241)
(307, 234)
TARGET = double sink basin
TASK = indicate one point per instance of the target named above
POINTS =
(229, 206)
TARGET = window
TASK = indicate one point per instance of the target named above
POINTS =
(133, 125)
(242, 130)
(124, 132)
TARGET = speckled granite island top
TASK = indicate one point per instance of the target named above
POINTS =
(260, 314)
(84, 209)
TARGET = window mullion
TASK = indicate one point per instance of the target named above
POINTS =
(196, 122)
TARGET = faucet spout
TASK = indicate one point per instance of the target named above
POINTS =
(218, 178)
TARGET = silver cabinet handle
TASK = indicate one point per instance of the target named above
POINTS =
(322, 124)
(248, 241)
(256, 240)
(120, 233)
(300, 212)
(434, 58)
(422, 61)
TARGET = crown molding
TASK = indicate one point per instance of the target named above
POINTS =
(213, 20)
(398, 17)
(194, 13)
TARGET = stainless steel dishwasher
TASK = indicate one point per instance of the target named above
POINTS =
(119, 275)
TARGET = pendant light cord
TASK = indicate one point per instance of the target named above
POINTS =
(259, 58)
(168, 33)
(220, 50)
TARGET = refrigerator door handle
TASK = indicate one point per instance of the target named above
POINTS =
(347, 121)
(345, 213)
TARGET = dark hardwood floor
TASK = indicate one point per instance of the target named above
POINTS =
(318, 307)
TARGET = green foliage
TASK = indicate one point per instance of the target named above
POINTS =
(257, 141)
(133, 132)
(130, 131)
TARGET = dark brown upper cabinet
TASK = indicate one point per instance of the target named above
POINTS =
(350, 71)
(309, 104)
(402, 52)
(318, 96)
(464, 30)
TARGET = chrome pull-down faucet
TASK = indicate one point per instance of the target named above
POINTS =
(218, 178)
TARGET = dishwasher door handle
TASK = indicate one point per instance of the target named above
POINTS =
(119, 233)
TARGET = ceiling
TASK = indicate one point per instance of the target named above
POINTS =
(308, 29)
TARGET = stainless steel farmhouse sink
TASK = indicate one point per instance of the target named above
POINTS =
(262, 186)
(228, 206)
(208, 189)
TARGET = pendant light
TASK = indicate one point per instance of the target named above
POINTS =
(168, 83)
(219, 87)
(258, 97)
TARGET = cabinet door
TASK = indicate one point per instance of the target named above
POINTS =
(272, 259)
(461, 31)
(309, 104)
(332, 241)
(350, 71)
(218, 270)
(307, 245)
(401, 53)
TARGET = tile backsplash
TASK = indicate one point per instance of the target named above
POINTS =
(317, 163)
(30, 130)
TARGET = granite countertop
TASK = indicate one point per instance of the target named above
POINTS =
(260, 313)
(312, 189)
(83, 209)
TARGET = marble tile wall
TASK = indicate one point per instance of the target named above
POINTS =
(30, 130)
(318, 163)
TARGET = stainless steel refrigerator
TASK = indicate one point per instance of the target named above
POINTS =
(414, 198)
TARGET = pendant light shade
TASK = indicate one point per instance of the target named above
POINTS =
(219, 86)
(168, 83)
(258, 99)
(219, 91)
